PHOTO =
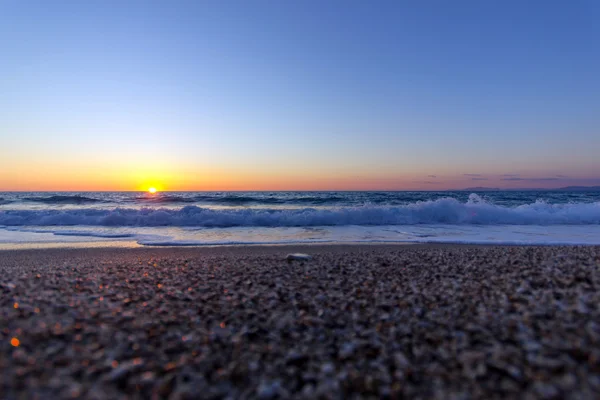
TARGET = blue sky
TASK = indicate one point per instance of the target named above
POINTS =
(307, 94)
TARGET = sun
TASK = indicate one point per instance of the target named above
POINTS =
(152, 190)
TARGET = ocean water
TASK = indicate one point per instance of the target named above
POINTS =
(221, 218)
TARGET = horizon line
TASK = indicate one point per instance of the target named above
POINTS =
(489, 189)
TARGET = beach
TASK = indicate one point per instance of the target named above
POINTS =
(418, 321)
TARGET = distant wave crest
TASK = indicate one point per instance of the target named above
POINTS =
(164, 199)
(441, 211)
(239, 200)
(75, 199)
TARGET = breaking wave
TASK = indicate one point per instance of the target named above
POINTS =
(442, 211)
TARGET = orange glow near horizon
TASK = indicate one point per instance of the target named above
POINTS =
(168, 176)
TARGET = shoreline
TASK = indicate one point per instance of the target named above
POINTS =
(132, 245)
(427, 321)
(251, 249)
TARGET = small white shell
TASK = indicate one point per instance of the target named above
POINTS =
(298, 257)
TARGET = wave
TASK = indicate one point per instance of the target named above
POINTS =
(60, 199)
(164, 199)
(106, 235)
(239, 200)
(442, 211)
(4, 201)
(236, 200)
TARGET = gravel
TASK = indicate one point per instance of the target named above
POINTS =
(351, 322)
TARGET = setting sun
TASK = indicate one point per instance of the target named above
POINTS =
(152, 190)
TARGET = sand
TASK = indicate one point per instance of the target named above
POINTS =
(354, 321)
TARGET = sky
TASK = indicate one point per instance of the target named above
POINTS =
(298, 95)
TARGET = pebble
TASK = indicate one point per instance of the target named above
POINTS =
(347, 350)
(268, 390)
(327, 369)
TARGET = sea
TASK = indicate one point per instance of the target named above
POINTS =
(54, 219)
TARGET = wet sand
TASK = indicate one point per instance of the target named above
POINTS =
(419, 321)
